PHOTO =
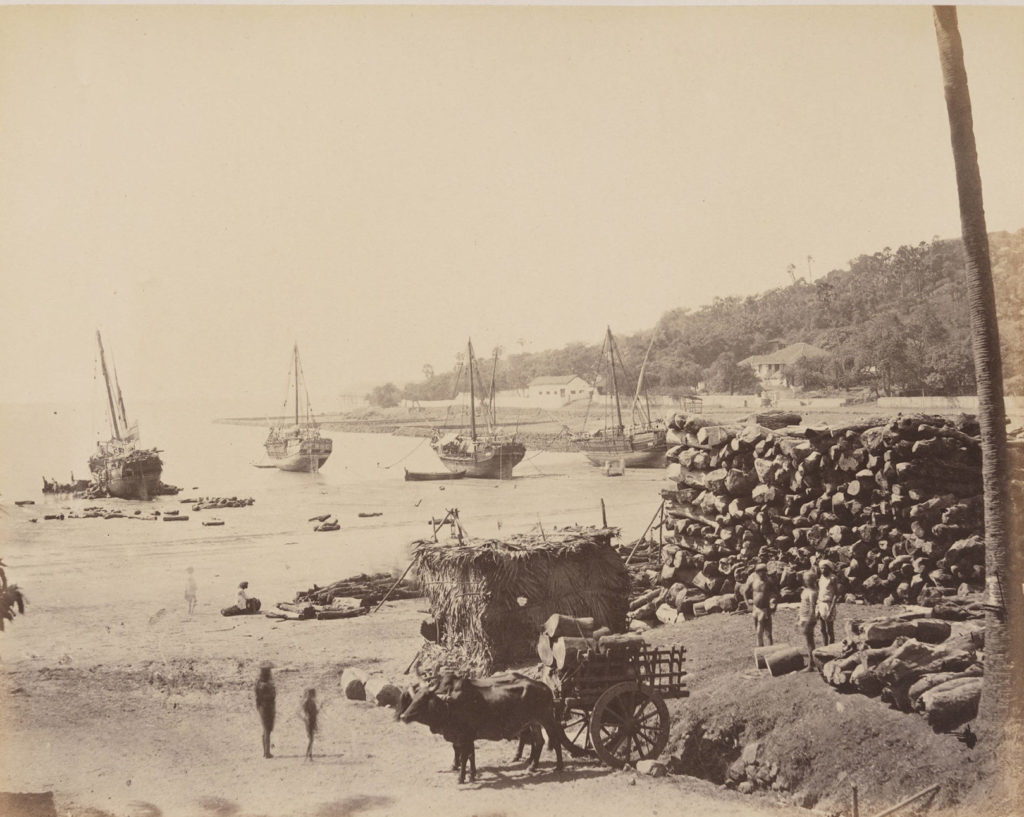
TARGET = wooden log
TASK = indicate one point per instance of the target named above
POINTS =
(544, 650)
(567, 651)
(621, 644)
(559, 625)
(779, 659)
(952, 704)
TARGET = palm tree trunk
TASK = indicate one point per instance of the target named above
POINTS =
(1002, 702)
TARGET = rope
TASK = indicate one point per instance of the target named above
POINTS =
(386, 467)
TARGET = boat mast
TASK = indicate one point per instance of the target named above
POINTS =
(615, 382)
(296, 384)
(472, 395)
(639, 386)
(110, 394)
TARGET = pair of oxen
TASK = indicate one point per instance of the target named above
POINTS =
(502, 707)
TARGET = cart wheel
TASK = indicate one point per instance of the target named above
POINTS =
(629, 723)
(576, 731)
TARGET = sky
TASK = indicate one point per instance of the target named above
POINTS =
(209, 185)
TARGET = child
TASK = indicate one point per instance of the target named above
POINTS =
(266, 705)
(827, 598)
(310, 712)
(808, 614)
(190, 591)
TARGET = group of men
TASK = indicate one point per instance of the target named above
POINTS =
(817, 605)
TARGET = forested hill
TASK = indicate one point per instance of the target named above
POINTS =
(895, 321)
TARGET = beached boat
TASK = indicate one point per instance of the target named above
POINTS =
(488, 455)
(644, 442)
(298, 446)
(120, 467)
(426, 476)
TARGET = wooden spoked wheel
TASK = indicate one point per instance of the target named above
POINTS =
(629, 723)
(576, 730)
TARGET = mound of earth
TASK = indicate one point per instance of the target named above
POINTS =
(795, 738)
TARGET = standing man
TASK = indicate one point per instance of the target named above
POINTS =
(764, 598)
(190, 590)
(266, 705)
(808, 614)
(827, 598)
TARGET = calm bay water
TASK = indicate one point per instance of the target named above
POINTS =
(78, 567)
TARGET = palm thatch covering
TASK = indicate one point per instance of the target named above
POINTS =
(491, 597)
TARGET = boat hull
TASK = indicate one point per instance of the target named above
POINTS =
(299, 454)
(487, 461)
(128, 477)
(645, 450)
(425, 476)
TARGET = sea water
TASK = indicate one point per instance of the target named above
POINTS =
(83, 566)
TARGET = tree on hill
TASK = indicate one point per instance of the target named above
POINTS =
(386, 396)
(726, 375)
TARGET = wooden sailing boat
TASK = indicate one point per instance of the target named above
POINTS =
(119, 467)
(298, 446)
(640, 445)
(490, 455)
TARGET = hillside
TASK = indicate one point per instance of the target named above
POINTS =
(895, 322)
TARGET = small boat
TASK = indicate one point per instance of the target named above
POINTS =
(485, 455)
(426, 476)
(298, 447)
(644, 443)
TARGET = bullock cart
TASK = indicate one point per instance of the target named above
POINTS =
(610, 695)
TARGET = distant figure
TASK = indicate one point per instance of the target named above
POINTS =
(808, 616)
(827, 598)
(764, 599)
(190, 590)
(243, 599)
(310, 712)
(266, 705)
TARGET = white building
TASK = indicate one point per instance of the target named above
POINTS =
(561, 387)
(771, 368)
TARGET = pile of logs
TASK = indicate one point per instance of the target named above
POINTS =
(203, 503)
(912, 662)
(895, 504)
(564, 640)
(369, 589)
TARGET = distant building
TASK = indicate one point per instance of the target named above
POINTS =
(563, 387)
(770, 368)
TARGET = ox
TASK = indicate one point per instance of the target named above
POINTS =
(502, 707)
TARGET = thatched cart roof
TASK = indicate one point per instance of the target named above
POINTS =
(490, 597)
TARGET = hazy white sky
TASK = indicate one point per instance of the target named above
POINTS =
(208, 184)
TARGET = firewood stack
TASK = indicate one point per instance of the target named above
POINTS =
(895, 504)
(912, 662)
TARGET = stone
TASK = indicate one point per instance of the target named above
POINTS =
(353, 681)
(746, 787)
(651, 768)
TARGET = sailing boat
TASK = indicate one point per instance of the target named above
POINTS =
(491, 455)
(298, 447)
(119, 468)
(644, 443)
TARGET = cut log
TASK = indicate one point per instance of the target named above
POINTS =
(544, 650)
(621, 644)
(952, 704)
(567, 651)
(560, 625)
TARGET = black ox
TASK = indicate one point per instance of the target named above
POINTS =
(502, 707)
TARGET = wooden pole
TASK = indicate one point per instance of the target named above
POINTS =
(604, 515)
(909, 800)
(657, 513)
(856, 812)
(392, 589)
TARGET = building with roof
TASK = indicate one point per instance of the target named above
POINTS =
(560, 387)
(771, 368)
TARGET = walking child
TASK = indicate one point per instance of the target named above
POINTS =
(266, 705)
(310, 713)
(190, 591)
(807, 617)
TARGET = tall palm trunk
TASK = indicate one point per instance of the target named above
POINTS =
(1002, 702)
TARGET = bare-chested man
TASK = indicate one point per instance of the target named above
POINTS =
(827, 597)
(764, 597)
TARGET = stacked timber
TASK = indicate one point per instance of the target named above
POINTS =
(895, 504)
(564, 642)
(369, 589)
(915, 662)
